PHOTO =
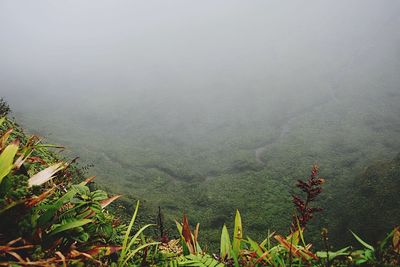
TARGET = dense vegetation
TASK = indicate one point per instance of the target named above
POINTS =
(207, 167)
(52, 216)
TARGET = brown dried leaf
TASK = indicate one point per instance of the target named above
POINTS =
(45, 175)
(104, 203)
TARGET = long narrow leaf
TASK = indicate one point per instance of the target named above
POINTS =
(133, 252)
(187, 235)
(137, 234)
(128, 231)
(225, 243)
(104, 203)
(7, 159)
(235, 259)
(396, 240)
(45, 175)
(237, 233)
(362, 242)
(69, 226)
(333, 254)
(4, 138)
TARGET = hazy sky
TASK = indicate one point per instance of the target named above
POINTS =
(185, 51)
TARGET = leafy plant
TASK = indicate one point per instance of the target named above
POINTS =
(312, 188)
(41, 212)
(130, 247)
(49, 219)
(4, 108)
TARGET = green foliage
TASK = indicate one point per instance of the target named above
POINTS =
(7, 160)
(226, 247)
(4, 108)
(199, 260)
(130, 247)
(275, 250)
(49, 217)
(45, 215)
(237, 233)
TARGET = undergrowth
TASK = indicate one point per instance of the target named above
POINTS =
(51, 215)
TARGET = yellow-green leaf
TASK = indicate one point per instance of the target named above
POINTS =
(7, 159)
(237, 233)
(225, 243)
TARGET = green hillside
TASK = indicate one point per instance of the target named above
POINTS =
(52, 216)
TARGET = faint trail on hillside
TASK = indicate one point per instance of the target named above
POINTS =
(335, 85)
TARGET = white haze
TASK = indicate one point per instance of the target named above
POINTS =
(187, 68)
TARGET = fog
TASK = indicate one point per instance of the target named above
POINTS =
(180, 54)
(185, 68)
(193, 87)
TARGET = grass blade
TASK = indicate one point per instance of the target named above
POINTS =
(362, 242)
(128, 231)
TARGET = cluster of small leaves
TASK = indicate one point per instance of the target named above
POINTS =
(43, 215)
(13, 188)
(4, 108)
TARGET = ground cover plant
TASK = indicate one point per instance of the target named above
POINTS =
(52, 215)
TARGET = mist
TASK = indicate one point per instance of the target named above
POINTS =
(164, 93)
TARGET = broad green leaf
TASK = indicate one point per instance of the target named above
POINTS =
(362, 242)
(225, 243)
(7, 159)
(70, 225)
(50, 210)
(237, 233)
(99, 195)
(333, 254)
